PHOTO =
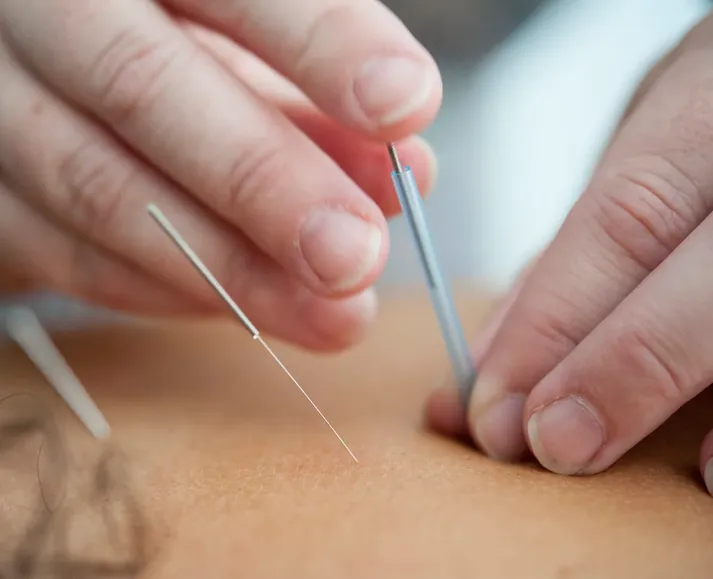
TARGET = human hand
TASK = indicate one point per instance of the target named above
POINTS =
(273, 168)
(610, 332)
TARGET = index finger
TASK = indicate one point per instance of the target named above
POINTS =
(648, 194)
(353, 58)
(131, 66)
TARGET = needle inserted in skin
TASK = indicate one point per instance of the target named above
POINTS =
(181, 243)
(25, 329)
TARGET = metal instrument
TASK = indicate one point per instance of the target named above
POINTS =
(439, 290)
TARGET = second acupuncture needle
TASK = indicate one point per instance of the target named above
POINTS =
(198, 264)
(25, 329)
(438, 288)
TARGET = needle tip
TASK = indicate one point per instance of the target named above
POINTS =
(394, 158)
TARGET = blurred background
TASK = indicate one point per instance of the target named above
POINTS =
(532, 90)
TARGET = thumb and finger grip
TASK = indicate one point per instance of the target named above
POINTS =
(648, 194)
(638, 367)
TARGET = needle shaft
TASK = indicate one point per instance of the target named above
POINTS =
(296, 383)
(182, 244)
(185, 248)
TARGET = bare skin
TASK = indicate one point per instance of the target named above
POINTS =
(238, 477)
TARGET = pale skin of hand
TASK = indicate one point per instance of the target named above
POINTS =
(259, 128)
(609, 332)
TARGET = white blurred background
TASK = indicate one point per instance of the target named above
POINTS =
(532, 90)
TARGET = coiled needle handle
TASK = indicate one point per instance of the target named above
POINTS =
(439, 290)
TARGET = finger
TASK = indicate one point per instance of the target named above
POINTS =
(353, 58)
(366, 161)
(40, 250)
(92, 186)
(707, 461)
(648, 194)
(641, 364)
(243, 64)
(445, 411)
(130, 65)
(490, 329)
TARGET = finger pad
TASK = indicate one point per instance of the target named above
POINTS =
(445, 414)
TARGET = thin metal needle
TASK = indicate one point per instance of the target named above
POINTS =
(181, 243)
(394, 158)
(177, 238)
(296, 383)
(25, 329)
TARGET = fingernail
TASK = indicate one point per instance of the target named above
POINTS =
(340, 248)
(445, 412)
(389, 89)
(498, 430)
(565, 435)
(708, 476)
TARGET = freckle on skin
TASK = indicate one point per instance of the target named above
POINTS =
(37, 108)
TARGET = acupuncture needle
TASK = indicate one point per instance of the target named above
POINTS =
(439, 291)
(27, 332)
(198, 264)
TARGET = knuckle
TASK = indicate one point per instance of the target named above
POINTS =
(93, 186)
(130, 72)
(324, 25)
(655, 362)
(256, 170)
(550, 330)
(648, 212)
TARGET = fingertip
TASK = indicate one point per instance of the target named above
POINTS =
(498, 428)
(410, 94)
(345, 250)
(566, 435)
(337, 324)
(445, 413)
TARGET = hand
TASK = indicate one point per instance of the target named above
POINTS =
(611, 331)
(262, 163)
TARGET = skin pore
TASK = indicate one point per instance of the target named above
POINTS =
(237, 477)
